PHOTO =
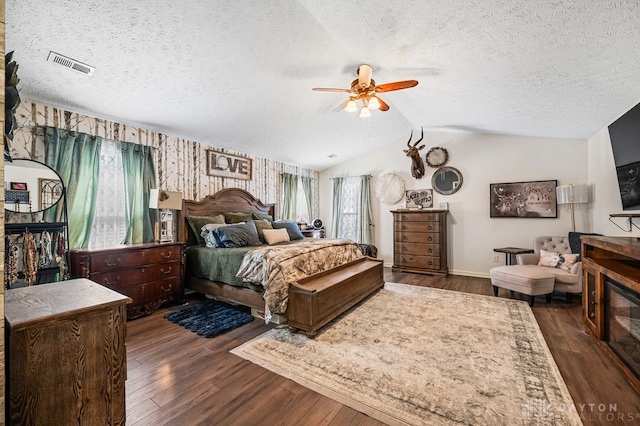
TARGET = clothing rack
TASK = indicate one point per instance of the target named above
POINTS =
(55, 269)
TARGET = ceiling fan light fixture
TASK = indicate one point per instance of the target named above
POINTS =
(364, 112)
(351, 106)
(373, 103)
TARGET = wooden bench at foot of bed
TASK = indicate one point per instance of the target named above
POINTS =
(318, 299)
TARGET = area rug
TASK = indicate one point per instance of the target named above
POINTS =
(209, 318)
(423, 356)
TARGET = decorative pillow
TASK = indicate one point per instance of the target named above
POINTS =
(237, 217)
(261, 216)
(274, 236)
(291, 227)
(237, 235)
(261, 225)
(197, 222)
(557, 260)
(208, 236)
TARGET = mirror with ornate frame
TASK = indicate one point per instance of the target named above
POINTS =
(30, 186)
(446, 180)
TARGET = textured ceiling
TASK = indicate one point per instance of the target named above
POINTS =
(238, 74)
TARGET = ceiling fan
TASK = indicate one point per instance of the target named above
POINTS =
(364, 89)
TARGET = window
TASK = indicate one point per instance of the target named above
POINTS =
(350, 214)
(302, 212)
(295, 191)
(50, 192)
(109, 222)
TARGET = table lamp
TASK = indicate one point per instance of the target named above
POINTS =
(165, 202)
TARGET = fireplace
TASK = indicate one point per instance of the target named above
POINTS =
(622, 323)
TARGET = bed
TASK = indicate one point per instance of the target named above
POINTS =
(212, 271)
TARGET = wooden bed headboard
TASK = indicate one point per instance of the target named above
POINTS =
(225, 200)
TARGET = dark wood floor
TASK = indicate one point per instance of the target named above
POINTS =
(178, 378)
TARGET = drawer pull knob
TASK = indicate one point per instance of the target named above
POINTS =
(168, 289)
(429, 251)
(404, 248)
(404, 260)
(404, 237)
(107, 282)
(117, 262)
(167, 272)
(168, 256)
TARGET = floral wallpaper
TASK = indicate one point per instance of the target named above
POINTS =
(180, 164)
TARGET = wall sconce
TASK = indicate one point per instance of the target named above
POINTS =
(165, 202)
(572, 194)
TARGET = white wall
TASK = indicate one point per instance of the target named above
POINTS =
(606, 194)
(482, 159)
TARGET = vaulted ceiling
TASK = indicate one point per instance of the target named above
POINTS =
(238, 74)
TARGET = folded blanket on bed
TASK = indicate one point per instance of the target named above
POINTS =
(277, 266)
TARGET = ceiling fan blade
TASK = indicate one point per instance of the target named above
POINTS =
(326, 89)
(397, 85)
(383, 105)
(341, 106)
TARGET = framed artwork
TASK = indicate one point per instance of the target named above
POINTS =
(524, 199)
(228, 165)
(419, 198)
(19, 186)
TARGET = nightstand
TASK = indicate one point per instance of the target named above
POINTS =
(150, 274)
(313, 233)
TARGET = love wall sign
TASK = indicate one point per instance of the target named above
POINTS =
(228, 165)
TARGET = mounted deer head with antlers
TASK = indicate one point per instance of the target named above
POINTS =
(417, 166)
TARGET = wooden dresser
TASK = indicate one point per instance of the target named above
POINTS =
(420, 241)
(66, 355)
(150, 274)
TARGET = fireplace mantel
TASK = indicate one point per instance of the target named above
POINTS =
(608, 259)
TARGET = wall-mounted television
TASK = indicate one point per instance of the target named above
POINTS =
(625, 141)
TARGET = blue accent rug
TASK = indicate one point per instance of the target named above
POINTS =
(209, 318)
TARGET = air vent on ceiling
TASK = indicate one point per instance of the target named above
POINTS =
(66, 62)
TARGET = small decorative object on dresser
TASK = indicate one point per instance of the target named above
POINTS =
(420, 241)
(419, 198)
(150, 274)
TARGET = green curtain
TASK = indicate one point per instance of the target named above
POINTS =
(76, 158)
(336, 207)
(139, 179)
(365, 231)
(289, 196)
(307, 187)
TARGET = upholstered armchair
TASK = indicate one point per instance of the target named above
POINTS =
(557, 260)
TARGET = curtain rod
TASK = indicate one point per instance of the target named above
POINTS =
(348, 176)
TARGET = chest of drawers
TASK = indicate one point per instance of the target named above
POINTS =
(66, 355)
(420, 241)
(150, 274)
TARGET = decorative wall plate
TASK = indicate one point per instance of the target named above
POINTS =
(390, 188)
(437, 157)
